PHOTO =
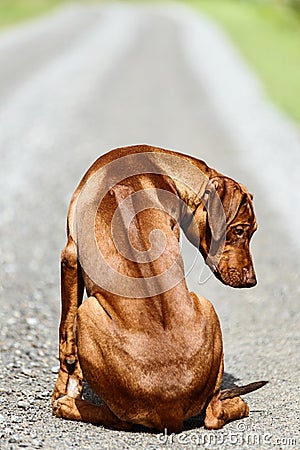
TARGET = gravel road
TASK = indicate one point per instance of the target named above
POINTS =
(84, 80)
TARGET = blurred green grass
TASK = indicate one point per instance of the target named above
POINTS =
(267, 33)
(14, 11)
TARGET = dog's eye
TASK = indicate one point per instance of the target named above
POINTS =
(239, 231)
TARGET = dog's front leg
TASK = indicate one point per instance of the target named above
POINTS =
(69, 380)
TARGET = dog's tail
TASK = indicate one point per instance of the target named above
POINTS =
(242, 390)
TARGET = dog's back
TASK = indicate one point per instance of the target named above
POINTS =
(146, 326)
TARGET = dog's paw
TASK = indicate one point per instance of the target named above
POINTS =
(58, 406)
(66, 407)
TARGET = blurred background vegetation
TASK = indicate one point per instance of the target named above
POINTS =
(14, 11)
(266, 32)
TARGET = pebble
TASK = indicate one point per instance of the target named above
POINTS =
(55, 369)
(23, 404)
(15, 419)
(14, 439)
(28, 372)
(43, 395)
(32, 321)
(37, 443)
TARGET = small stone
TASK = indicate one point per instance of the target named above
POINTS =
(28, 372)
(55, 369)
(23, 404)
(15, 419)
(14, 439)
(42, 395)
(32, 321)
(37, 443)
(11, 321)
(32, 355)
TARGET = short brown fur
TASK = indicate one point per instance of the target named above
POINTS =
(158, 360)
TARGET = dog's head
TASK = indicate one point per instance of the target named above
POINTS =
(229, 225)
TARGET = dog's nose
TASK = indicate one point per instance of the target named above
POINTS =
(251, 282)
(249, 277)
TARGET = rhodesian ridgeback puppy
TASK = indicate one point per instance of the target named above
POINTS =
(147, 346)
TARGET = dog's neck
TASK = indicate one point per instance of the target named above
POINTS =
(193, 216)
(190, 176)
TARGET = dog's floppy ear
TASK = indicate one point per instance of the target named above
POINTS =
(222, 199)
(244, 189)
(215, 211)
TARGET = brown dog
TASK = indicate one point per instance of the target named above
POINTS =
(149, 348)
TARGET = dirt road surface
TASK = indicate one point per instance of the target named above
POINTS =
(84, 80)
